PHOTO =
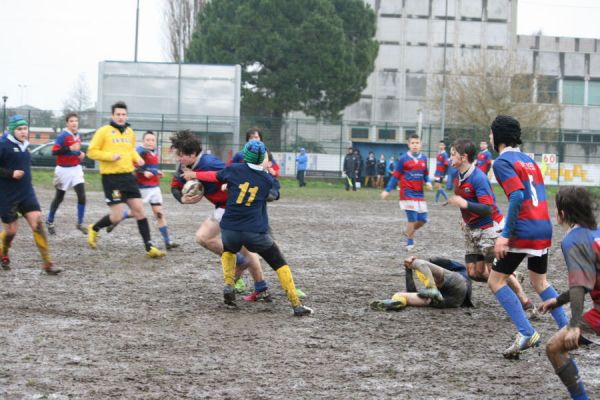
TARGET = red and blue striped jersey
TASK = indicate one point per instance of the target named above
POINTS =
(514, 171)
(151, 164)
(581, 249)
(66, 157)
(475, 187)
(441, 164)
(484, 161)
(212, 190)
(411, 171)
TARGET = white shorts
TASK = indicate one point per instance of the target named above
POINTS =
(218, 214)
(414, 205)
(152, 195)
(67, 177)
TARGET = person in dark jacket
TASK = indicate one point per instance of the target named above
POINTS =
(351, 165)
(18, 195)
(380, 167)
(370, 170)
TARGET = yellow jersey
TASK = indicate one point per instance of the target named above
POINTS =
(107, 142)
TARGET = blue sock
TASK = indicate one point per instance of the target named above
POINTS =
(437, 195)
(260, 286)
(409, 242)
(240, 259)
(164, 231)
(509, 300)
(51, 216)
(558, 313)
(125, 214)
(569, 375)
(443, 193)
(80, 213)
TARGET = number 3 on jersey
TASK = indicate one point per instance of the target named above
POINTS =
(245, 188)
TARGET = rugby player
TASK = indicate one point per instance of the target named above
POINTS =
(527, 232)
(68, 172)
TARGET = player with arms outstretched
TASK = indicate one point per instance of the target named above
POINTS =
(191, 163)
(411, 170)
(246, 222)
(527, 232)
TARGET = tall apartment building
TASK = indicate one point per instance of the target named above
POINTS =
(419, 39)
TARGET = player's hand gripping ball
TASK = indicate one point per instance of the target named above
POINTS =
(193, 188)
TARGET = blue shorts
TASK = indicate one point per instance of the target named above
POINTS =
(10, 212)
(414, 216)
(255, 242)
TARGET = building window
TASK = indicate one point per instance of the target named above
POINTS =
(521, 88)
(573, 92)
(386, 134)
(547, 89)
(416, 85)
(408, 132)
(594, 93)
(360, 133)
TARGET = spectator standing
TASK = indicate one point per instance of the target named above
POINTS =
(301, 163)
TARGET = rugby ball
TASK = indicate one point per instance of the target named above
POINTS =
(192, 188)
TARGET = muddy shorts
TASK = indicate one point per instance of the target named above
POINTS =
(454, 290)
(590, 327)
(481, 241)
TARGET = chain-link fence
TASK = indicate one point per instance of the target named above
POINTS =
(565, 156)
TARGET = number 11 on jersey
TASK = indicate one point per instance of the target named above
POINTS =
(244, 189)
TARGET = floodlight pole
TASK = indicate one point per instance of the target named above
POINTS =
(137, 23)
(443, 113)
(4, 98)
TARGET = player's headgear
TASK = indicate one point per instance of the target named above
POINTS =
(15, 121)
(254, 152)
(507, 130)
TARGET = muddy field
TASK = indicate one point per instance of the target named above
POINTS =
(118, 325)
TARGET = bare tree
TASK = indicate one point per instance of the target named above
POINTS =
(480, 88)
(79, 98)
(180, 18)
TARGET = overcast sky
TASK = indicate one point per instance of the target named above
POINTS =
(46, 45)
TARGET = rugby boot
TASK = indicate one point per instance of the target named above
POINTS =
(531, 311)
(80, 228)
(240, 286)
(229, 295)
(387, 305)
(521, 344)
(172, 245)
(302, 311)
(92, 236)
(51, 228)
(155, 253)
(257, 296)
(51, 269)
(5, 262)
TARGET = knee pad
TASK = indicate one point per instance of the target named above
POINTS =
(273, 257)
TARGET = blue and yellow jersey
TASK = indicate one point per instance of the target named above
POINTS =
(248, 189)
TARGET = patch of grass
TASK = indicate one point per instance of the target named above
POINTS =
(325, 189)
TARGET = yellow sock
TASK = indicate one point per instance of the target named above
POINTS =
(399, 297)
(228, 263)
(287, 282)
(42, 244)
(2, 244)
(424, 279)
